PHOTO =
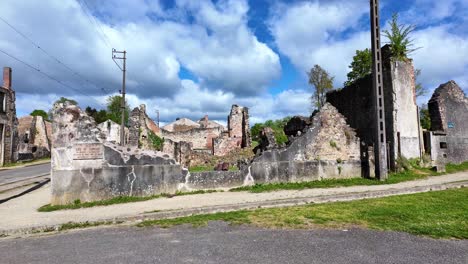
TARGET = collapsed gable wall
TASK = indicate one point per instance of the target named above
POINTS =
(448, 109)
(328, 149)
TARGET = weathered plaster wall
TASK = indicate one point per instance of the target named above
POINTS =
(405, 123)
(112, 131)
(86, 167)
(448, 109)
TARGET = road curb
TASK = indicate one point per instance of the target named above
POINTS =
(248, 206)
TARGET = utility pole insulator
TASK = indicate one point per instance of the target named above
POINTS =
(380, 142)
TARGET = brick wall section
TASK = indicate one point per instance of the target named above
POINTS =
(448, 108)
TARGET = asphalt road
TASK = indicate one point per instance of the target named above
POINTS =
(23, 173)
(219, 243)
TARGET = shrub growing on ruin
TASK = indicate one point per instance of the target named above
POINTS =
(399, 39)
(156, 141)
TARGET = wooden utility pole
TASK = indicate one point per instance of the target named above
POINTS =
(122, 102)
(380, 142)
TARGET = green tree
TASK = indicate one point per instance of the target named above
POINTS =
(424, 117)
(360, 66)
(420, 89)
(399, 39)
(114, 111)
(39, 112)
(99, 116)
(323, 82)
(276, 125)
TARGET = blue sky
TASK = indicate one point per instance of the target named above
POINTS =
(191, 58)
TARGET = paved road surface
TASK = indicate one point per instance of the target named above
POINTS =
(24, 172)
(219, 243)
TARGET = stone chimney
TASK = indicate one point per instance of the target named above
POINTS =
(7, 77)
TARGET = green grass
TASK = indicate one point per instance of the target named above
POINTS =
(209, 168)
(22, 163)
(442, 214)
(409, 175)
(77, 204)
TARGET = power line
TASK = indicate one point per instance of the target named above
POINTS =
(53, 57)
(95, 24)
(49, 76)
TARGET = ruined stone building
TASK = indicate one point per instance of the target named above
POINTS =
(34, 134)
(141, 129)
(238, 132)
(112, 131)
(8, 121)
(403, 131)
(328, 148)
(448, 139)
(208, 136)
(200, 133)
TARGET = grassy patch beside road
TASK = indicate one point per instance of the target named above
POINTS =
(442, 214)
(409, 175)
(117, 200)
(25, 163)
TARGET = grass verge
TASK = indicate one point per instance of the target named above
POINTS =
(209, 168)
(441, 214)
(24, 163)
(77, 204)
(408, 175)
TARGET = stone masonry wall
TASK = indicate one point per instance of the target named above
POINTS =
(201, 138)
(356, 103)
(87, 168)
(8, 121)
(328, 149)
(448, 108)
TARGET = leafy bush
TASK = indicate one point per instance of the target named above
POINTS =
(156, 141)
(276, 125)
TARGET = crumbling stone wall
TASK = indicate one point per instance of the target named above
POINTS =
(141, 126)
(8, 120)
(238, 133)
(448, 109)
(238, 125)
(179, 151)
(328, 149)
(34, 141)
(356, 101)
(201, 138)
(112, 131)
(86, 167)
